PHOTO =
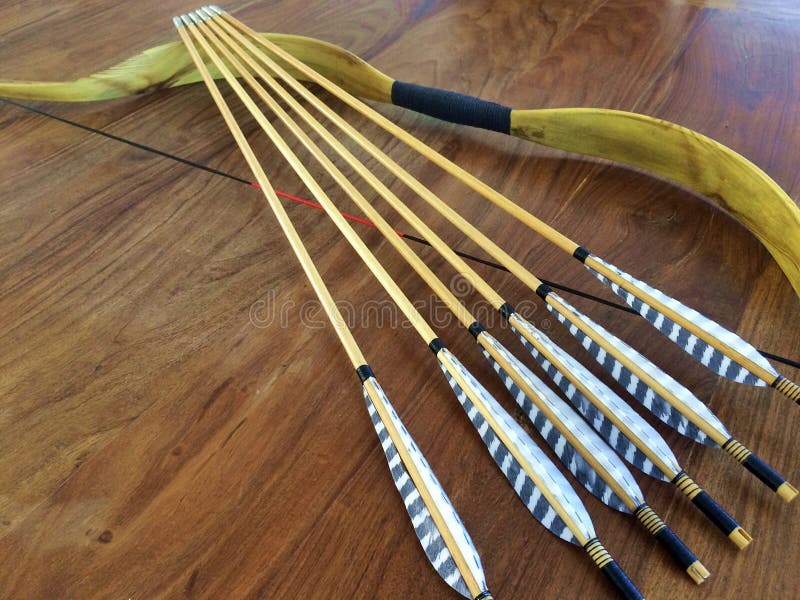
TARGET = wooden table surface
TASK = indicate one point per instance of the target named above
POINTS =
(176, 419)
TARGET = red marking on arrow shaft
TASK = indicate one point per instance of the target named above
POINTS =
(347, 216)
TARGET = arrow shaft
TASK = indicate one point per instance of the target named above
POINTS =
(567, 511)
(463, 315)
(378, 271)
(466, 570)
(619, 482)
(559, 493)
(373, 215)
(310, 270)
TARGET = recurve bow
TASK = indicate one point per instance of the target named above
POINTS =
(662, 148)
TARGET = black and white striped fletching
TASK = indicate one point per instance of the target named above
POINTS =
(702, 351)
(564, 418)
(527, 468)
(655, 403)
(433, 543)
(564, 369)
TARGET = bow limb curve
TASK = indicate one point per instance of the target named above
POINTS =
(169, 66)
(681, 155)
(659, 147)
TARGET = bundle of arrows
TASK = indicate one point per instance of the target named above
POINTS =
(591, 429)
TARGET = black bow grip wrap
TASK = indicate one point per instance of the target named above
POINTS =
(452, 106)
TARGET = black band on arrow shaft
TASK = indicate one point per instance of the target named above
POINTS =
(677, 549)
(764, 472)
(364, 372)
(621, 581)
(435, 345)
(543, 291)
(581, 253)
(715, 512)
(452, 106)
(476, 329)
(506, 310)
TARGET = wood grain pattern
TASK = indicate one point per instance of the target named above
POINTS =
(155, 442)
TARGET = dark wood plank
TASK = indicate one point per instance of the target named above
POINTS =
(177, 420)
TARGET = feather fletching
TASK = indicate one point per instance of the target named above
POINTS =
(428, 533)
(522, 462)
